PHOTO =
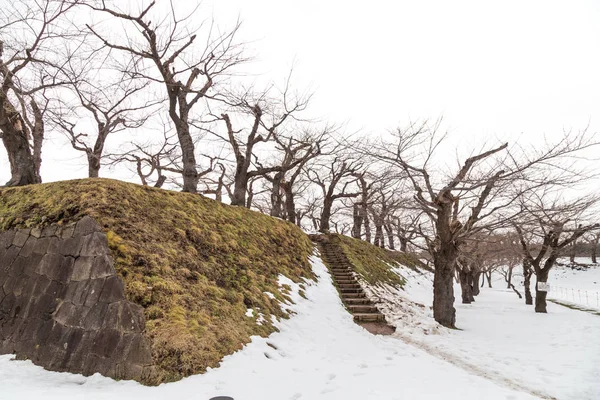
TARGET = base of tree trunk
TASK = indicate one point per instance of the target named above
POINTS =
(443, 298)
(540, 302)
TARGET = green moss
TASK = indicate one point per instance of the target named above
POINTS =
(194, 264)
(374, 264)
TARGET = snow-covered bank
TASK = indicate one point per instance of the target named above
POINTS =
(578, 286)
(557, 354)
(319, 354)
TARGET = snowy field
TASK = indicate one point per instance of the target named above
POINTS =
(319, 354)
(581, 287)
(554, 355)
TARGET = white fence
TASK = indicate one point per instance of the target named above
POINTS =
(583, 297)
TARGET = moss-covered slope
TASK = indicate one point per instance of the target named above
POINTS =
(375, 264)
(194, 264)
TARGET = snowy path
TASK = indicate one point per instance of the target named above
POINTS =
(554, 355)
(319, 354)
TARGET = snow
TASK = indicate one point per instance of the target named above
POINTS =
(319, 353)
(581, 287)
(554, 355)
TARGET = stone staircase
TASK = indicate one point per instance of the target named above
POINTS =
(354, 298)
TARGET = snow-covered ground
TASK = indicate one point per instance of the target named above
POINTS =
(580, 287)
(555, 355)
(321, 354)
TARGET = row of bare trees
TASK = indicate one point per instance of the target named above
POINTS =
(171, 94)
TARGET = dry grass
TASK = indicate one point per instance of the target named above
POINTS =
(194, 264)
(372, 263)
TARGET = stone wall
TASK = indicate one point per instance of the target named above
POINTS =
(63, 307)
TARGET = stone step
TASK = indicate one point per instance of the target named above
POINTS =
(368, 317)
(343, 273)
(351, 290)
(356, 295)
(357, 301)
(362, 308)
(348, 285)
(338, 278)
(351, 293)
(345, 270)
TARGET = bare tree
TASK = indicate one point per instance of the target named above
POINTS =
(544, 231)
(264, 115)
(113, 108)
(469, 200)
(381, 206)
(218, 183)
(165, 52)
(360, 209)
(593, 238)
(296, 152)
(328, 177)
(32, 36)
(405, 221)
(148, 159)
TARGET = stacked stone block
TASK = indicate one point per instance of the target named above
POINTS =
(63, 306)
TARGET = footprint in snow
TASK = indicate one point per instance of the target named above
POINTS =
(272, 345)
(331, 377)
(296, 396)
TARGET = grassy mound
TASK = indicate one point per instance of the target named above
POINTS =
(194, 264)
(374, 264)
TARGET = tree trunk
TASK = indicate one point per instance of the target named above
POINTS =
(325, 215)
(161, 180)
(403, 244)
(179, 113)
(276, 198)
(93, 165)
(465, 286)
(357, 221)
(443, 288)
(476, 283)
(15, 138)
(572, 253)
(379, 242)
(240, 186)
(509, 278)
(188, 158)
(488, 275)
(390, 234)
(290, 206)
(315, 222)
(367, 227)
(470, 281)
(540, 296)
(527, 272)
(594, 247)
(37, 134)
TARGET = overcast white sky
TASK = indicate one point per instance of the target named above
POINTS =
(493, 69)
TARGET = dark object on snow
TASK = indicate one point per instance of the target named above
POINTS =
(221, 398)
